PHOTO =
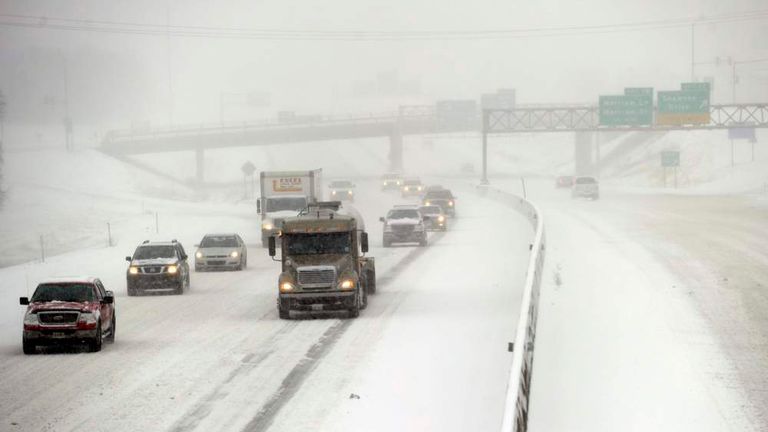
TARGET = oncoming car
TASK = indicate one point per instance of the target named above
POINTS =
(342, 190)
(69, 310)
(158, 267)
(443, 198)
(412, 187)
(434, 218)
(391, 181)
(221, 251)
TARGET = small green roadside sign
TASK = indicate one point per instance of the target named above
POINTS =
(670, 159)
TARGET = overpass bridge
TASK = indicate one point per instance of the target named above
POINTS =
(393, 126)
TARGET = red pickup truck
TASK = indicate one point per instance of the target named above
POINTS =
(69, 310)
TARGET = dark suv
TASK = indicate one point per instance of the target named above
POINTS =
(443, 198)
(158, 267)
(67, 310)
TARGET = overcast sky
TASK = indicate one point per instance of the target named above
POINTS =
(120, 79)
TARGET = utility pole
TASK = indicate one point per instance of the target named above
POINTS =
(168, 58)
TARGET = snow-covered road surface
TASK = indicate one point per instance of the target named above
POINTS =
(427, 354)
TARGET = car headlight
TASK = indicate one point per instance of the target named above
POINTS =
(398, 183)
(172, 269)
(234, 254)
(87, 318)
(31, 319)
(450, 203)
(133, 270)
(349, 192)
(419, 188)
(383, 183)
(286, 286)
(199, 254)
(441, 218)
(267, 225)
(347, 284)
(333, 192)
(426, 203)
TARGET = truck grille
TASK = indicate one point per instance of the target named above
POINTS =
(152, 269)
(58, 317)
(316, 276)
(402, 229)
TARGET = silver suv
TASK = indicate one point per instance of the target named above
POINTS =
(585, 187)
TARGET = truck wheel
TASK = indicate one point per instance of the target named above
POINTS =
(354, 312)
(28, 347)
(111, 337)
(180, 288)
(94, 345)
(364, 302)
(370, 281)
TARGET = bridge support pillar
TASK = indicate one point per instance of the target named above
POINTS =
(583, 160)
(199, 162)
(396, 150)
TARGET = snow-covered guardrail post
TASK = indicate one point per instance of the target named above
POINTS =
(519, 384)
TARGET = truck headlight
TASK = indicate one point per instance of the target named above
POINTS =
(333, 192)
(347, 284)
(199, 254)
(172, 269)
(133, 270)
(419, 188)
(286, 286)
(267, 225)
(31, 319)
(349, 192)
(87, 318)
(441, 218)
(234, 254)
(399, 183)
(450, 203)
(426, 203)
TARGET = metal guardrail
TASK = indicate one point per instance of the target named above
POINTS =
(515, 417)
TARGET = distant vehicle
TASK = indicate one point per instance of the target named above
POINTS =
(391, 181)
(434, 218)
(324, 267)
(284, 194)
(221, 251)
(158, 267)
(69, 310)
(564, 181)
(342, 190)
(443, 198)
(412, 187)
(585, 187)
(404, 224)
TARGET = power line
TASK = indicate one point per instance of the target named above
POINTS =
(133, 28)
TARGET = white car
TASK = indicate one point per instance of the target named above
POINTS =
(585, 187)
(221, 251)
(342, 190)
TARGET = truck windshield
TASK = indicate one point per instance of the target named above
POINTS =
(73, 292)
(315, 244)
(285, 204)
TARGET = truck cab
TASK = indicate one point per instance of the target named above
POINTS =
(323, 263)
(284, 194)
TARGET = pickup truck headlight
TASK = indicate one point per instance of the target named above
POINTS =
(347, 284)
(426, 203)
(133, 270)
(349, 192)
(450, 203)
(286, 286)
(234, 254)
(441, 218)
(172, 269)
(87, 318)
(419, 188)
(333, 192)
(199, 254)
(31, 319)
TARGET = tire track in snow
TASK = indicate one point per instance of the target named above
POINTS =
(296, 377)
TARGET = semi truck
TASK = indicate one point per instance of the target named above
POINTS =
(323, 262)
(284, 194)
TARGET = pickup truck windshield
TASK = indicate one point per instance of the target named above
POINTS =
(74, 292)
(218, 241)
(152, 252)
(316, 244)
(285, 204)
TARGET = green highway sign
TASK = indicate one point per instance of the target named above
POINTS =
(683, 107)
(626, 110)
(670, 158)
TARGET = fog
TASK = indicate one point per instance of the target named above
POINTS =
(123, 79)
(602, 278)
